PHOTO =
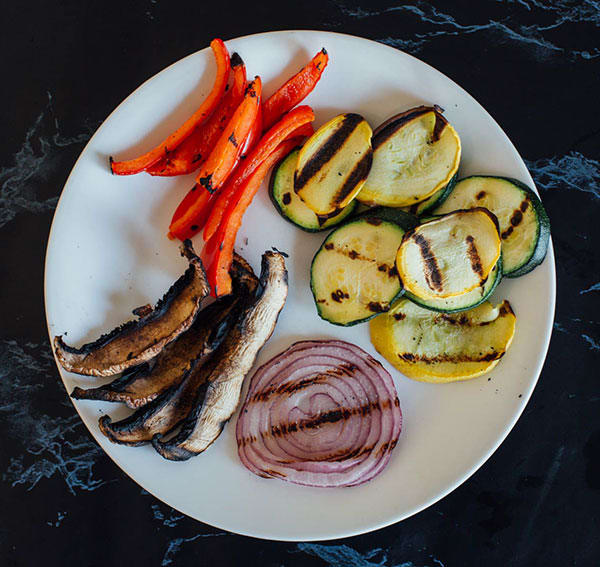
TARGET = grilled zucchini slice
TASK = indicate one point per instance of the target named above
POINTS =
(464, 302)
(524, 225)
(291, 207)
(353, 275)
(439, 347)
(333, 164)
(449, 255)
(415, 155)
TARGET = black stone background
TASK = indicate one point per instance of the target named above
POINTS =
(534, 64)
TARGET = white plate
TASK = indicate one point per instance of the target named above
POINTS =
(108, 254)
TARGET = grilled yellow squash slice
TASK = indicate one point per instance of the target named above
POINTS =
(441, 347)
(449, 255)
(333, 164)
(415, 154)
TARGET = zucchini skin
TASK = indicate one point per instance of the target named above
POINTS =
(405, 220)
(349, 208)
(483, 299)
(543, 232)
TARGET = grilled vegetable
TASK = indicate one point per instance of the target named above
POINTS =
(334, 163)
(466, 301)
(274, 137)
(172, 141)
(138, 341)
(321, 413)
(290, 206)
(450, 255)
(235, 358)
(175, 402)
(295, 90)
(524, 225)
(353, 275)
(432, 202)
(439, 347)
(147, 382)
(415, 154)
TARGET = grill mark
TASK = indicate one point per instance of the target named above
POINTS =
(359, 173)
(505, 309)
(328, 149)
(454, 358)
(474, 256)
(286, 199)
(332, 416)
(338, 295)
(289, 388)
(515, 219)
(433, 277)
(377, 307)
(440, 124)
(329, 246)
(387, 132)
(480, 195)
(399, 316)
(393, 272)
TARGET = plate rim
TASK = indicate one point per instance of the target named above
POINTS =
(539, 363)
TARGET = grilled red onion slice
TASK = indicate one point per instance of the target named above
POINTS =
(321, 413)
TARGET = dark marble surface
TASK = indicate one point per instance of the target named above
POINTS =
(534, 64)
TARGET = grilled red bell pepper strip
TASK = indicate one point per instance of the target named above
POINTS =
(267, 144)
(295, 90)
(188, 156)
(218, 252)
(207, 107)
(197, 195)
(205, 198)
(223, 156)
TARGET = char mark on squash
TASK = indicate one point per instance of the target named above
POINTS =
(453, 358)
(377, 307)
(330, 147)
(338, 295)
(440, 124)
(480, 195)
(433, 275)
(358, 174)
(395, 125)
(515, 219)
(474, 256)
(287, 198)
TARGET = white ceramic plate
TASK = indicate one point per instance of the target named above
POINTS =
(108, 254)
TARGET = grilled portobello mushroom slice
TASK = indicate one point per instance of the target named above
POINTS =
(234, 359)
(140, 340)
(148, 381)
(174, 403)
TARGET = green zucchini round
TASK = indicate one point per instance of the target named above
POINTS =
(353, 276)
(290, 206)
(524, 224)
(464, 302)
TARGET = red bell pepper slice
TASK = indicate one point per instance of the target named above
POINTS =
(207, 107)
(218, 252)
(205, 197)
(267, 144)
(295, 90)
(198, 195)
(188, 156)
(222, 158)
